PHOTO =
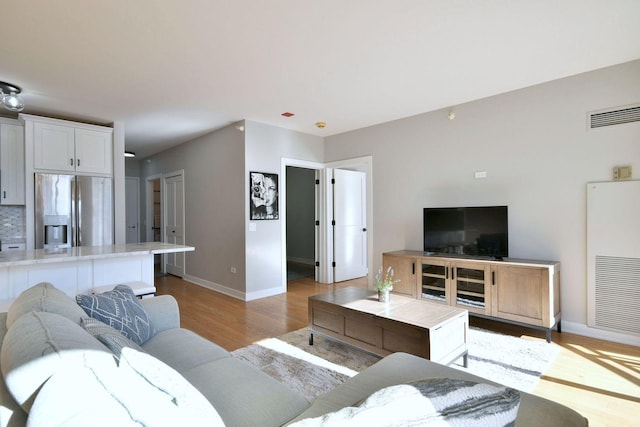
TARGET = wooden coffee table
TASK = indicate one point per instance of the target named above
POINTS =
(354, 316)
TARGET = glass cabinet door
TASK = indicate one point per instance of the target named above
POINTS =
(470, 282)
(434, 278)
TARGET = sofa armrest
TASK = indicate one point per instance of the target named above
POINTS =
(163, 311)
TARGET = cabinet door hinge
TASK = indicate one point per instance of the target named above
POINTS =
(317, 222)
(317, 263)
(333, 180)
(317, 182)
(333, 222)
(333, 264)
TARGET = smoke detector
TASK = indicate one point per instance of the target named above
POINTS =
(321, 125)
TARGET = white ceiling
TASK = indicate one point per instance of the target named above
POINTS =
(174, 70)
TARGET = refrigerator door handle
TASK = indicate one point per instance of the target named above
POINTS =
(74, 212)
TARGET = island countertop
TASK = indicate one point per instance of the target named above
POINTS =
(43, 256)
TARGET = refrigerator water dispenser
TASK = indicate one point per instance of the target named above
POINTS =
(56, 232)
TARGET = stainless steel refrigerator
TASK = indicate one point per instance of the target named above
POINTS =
(73, 211)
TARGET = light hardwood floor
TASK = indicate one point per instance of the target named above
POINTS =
(599, 379)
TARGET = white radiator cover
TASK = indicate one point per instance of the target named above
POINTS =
(613, 256)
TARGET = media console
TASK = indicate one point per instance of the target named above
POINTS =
(514, 290)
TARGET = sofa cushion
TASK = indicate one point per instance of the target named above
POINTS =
(120, 309)
(99, 394)
(36, 346)
(244, 395)
(114, 340)
(400, 368)
(11, 414)
(183, 349)
(44, 297)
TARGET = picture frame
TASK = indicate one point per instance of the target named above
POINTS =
(263, 196)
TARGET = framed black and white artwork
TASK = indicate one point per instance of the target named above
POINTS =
(263, 199)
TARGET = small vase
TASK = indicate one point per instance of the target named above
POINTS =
(383, 296)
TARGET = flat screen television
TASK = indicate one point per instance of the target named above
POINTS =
(480, 231)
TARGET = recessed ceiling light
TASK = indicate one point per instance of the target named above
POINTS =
(288, 114)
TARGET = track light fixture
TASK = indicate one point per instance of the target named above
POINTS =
(11, 98)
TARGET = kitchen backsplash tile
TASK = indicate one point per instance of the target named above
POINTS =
(12, 224)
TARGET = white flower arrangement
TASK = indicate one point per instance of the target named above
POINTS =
(384, 284)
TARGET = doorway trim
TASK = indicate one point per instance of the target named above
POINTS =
(319, 168)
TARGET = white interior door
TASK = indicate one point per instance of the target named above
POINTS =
(350, 229)
(174, 221)
(132, 197)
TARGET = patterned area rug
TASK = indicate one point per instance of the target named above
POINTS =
(314, 370)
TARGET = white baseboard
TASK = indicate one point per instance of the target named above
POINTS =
(264, 293)
(215, 287)
(601, 334)
(233, 292)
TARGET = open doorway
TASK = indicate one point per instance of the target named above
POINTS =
(153, 223)
(301, 223)
(132, 198)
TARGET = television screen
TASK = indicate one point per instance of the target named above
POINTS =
(475, 231)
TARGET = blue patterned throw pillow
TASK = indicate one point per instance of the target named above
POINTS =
(121, 310)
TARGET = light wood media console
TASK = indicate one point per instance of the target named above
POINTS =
(514, 290)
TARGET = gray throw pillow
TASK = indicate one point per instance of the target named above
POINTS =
(108, 336)
(121, 310)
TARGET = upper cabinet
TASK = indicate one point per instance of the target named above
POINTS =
(72, 148)
(11, 163)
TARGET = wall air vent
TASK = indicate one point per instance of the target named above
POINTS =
(617, 116)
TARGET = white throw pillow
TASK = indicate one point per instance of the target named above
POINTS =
(433, 402)
(99, 394)
(165, 379)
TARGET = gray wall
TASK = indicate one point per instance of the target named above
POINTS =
(537, 152)
(214, 204)
(131, 167)
(301, 215)
(216, 175)
(266, 146)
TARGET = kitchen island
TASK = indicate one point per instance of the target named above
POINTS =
(79, 269)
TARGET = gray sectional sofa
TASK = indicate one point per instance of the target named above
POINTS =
(45, 348)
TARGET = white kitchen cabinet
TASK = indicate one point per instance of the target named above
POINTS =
(11, 164)
(93, 151)
(68, 148)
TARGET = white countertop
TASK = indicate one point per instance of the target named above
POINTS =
(41, 256)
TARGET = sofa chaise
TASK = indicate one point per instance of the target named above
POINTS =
(58, 371)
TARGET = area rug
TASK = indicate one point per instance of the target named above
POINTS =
(317, 369)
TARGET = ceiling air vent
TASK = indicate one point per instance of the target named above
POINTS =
(614, 117)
